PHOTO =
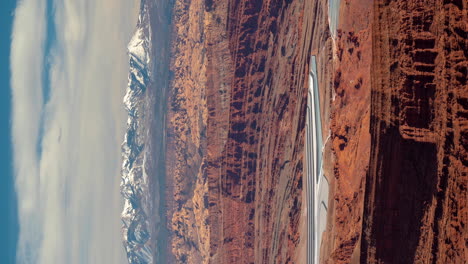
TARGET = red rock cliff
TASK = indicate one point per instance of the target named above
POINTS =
(394, 106)
(344, 72)
(398, 131)
(416, 198)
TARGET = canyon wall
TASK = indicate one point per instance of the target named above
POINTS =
(416, 198)
(344, 67)
(397, 114)
(394, 119)
(236, 115)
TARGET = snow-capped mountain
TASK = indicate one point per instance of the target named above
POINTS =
(135, 181)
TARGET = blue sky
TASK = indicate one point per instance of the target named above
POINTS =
(8, 224)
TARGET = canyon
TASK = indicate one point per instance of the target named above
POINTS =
(397, 118)
(236, 114)
(227, 107)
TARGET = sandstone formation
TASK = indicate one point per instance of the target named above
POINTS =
(394, 119)
(398, 143)
(235, 130)
(416, 192)
(344, 65)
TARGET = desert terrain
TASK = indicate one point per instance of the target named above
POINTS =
(393, 103)
(235, 123)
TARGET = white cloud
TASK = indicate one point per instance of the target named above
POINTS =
(69, 201)
(26, 67)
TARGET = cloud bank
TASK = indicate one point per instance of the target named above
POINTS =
(67, 149)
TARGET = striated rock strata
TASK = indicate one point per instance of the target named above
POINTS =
(394, 105)
(416, 193)
(394, 98)
(235, 130)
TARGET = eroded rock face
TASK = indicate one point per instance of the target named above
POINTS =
(236, 116)
(344, 66)
(397, 122)
(416, 199)
(394, 109)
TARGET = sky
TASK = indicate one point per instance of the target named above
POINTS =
(68, 73)
(8, 221)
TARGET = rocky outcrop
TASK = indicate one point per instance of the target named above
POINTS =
(394, 110)
(416, 198)
(344, 66)
(236, 115)
(397, 148)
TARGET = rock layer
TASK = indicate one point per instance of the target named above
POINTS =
(235, 123)
(416, 199)
(394, 110)
(398, 122)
